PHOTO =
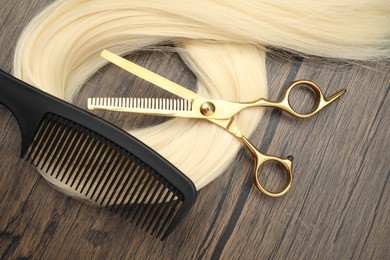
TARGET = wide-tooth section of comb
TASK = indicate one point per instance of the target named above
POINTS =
(165, 104)
(106, 173)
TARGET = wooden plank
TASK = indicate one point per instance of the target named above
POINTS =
(337, 207)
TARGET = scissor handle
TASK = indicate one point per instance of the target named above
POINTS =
(259, 159)
(321, 100)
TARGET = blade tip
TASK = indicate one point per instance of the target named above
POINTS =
(89, 104)
(104, 52)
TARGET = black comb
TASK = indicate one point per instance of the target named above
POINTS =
(98, 160)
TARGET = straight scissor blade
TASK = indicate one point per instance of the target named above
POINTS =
(150, 76)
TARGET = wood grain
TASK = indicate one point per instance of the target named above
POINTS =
(338, 207)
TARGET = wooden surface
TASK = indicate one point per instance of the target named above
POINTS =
(338, 207)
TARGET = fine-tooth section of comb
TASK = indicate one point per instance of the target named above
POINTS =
(167, 104)
(97, 161)
(97, 169)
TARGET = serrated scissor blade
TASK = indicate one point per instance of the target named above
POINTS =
(156, 106)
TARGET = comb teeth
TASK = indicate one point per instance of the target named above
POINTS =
(105, 172)
(141, 103)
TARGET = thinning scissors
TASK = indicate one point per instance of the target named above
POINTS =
(219, 112)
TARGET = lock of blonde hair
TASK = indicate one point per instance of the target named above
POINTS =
(222, 41)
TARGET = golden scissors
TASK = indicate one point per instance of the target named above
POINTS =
(219, 112)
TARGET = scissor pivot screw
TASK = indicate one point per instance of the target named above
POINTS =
(207, 109)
